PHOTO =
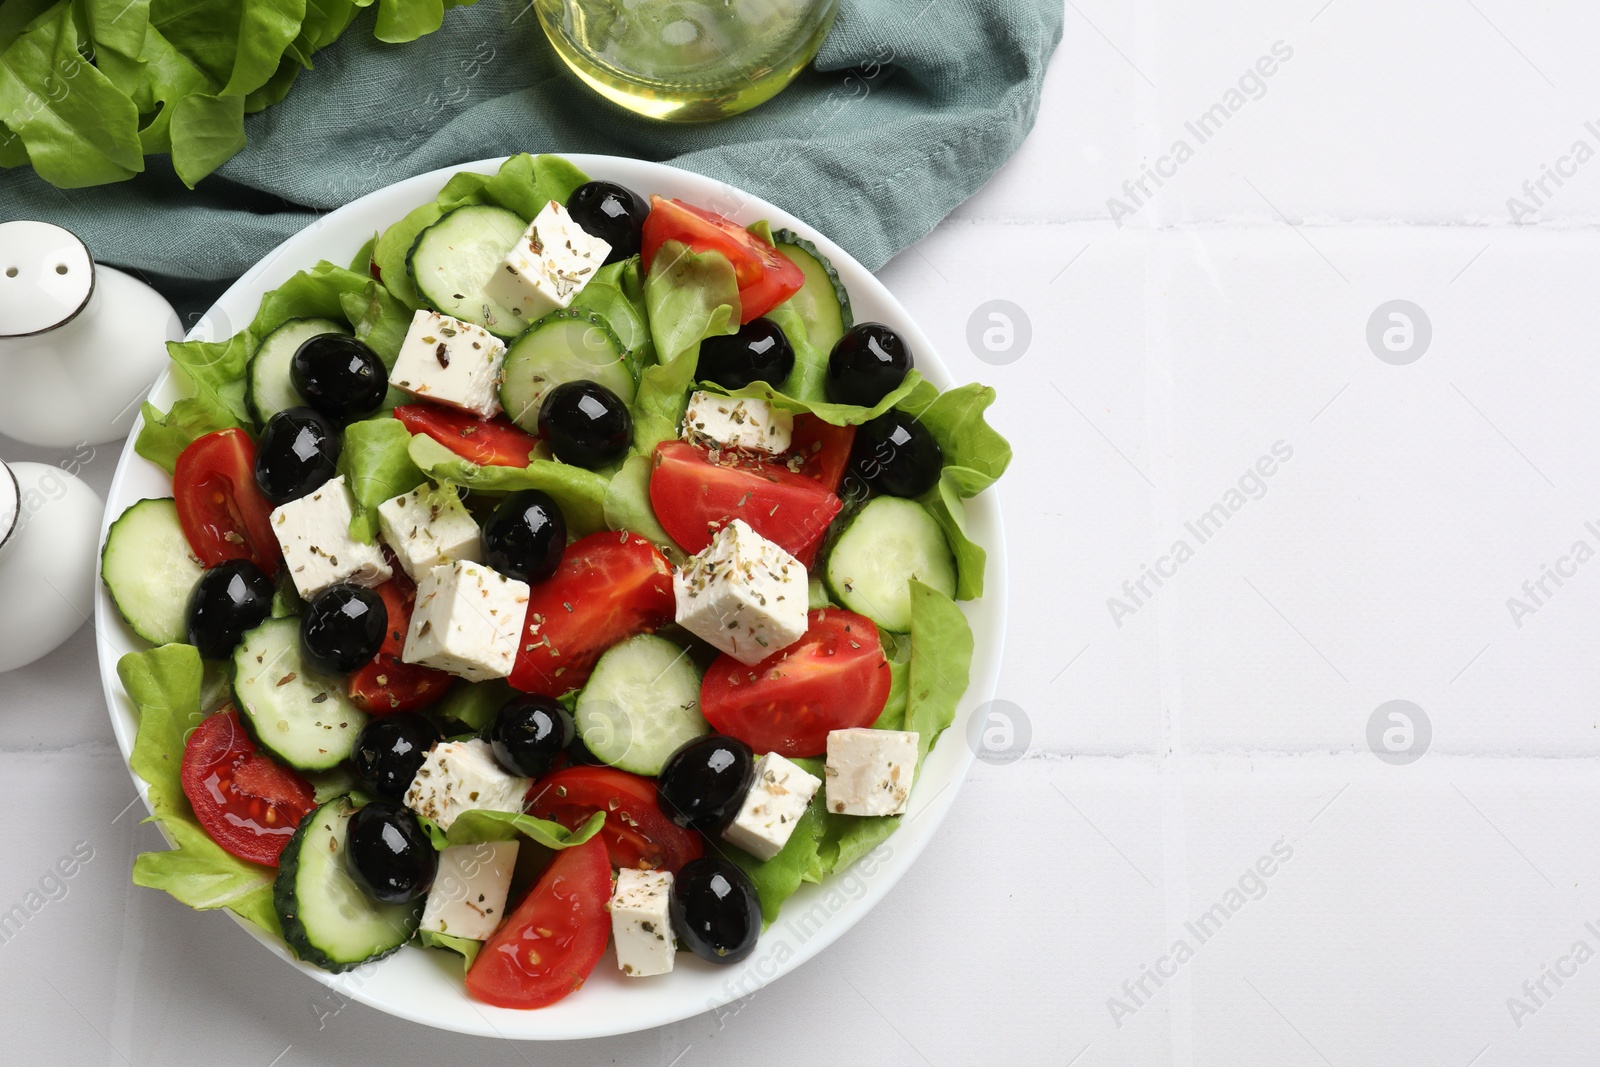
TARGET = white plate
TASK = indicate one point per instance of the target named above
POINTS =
(425, 986)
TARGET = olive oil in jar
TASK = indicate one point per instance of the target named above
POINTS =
(686, 60)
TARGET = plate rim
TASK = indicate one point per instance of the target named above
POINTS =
(984, 515)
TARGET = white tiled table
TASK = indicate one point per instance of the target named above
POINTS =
(1219, 731)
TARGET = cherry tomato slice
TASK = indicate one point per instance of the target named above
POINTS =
(222, 512)
(609, 587)
(387, 683)
(781, 280)
(695, 497)
(550, 944)
(246, 802)
(702, 231)
(823, 450)
(636, 833)
(833, 678)
(766, 277)
(486, 442)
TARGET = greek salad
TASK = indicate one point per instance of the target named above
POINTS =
(570, 570)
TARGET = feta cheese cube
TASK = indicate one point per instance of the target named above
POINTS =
(548, 266)
(460, 776)
(468, 898)
(450, 361)
(466, 621)
(869, 771)
(314, 533)
(726, 422)
(429, 526)
(776, 800)
(743, 594)
(640, 924)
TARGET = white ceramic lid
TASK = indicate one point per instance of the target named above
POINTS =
(46, 276)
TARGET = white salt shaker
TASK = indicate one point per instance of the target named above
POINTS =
(80, 342)
(49, 531)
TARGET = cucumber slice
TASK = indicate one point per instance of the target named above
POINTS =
(303, 718)
(641, 703)
(890, 541)
(565, 346)
(269, 389)
(150, 571)
(327, 919)
(823, 303)
(451, 261)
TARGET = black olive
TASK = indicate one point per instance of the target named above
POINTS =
(339, 376)
(525, 537)
(895, 454)
(759, 352)
(343, 627)
(867, 364)
(298, 452)
(715, 910)
(702, 785)
(529, 732)
(585, 424)
(230, 598)
(390, 857)
(389, 751)
(611, 212)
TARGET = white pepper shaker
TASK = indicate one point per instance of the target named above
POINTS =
(49, 533)
(80, 342)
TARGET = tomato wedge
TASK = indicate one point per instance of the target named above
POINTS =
(823, 450)
(387, 683)
(486, 442)
(694, 497)
(636, 833)
(246, 802)
(222, 512)
(552, 941)
(609, 587)
(766, 276)
(833, 678)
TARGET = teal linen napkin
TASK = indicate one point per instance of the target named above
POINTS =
(910, 106)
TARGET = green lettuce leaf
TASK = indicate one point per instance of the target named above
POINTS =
(474, 704)
(580, 493)
(689, 296)
(627, 506)
(376, 463)
(897, 650)
(206, 132)
(163, 437)
(941, 663)
(956, 420)
(168, 77)
(400, 21)
(164, 685)
(946, 503)
(362, 260)
(236, 44)
(616, 294)
(466, 947)
(394, 248)
(479, 824)
(216, 369)
(79, 128)
(836, 414)
(525, 184)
